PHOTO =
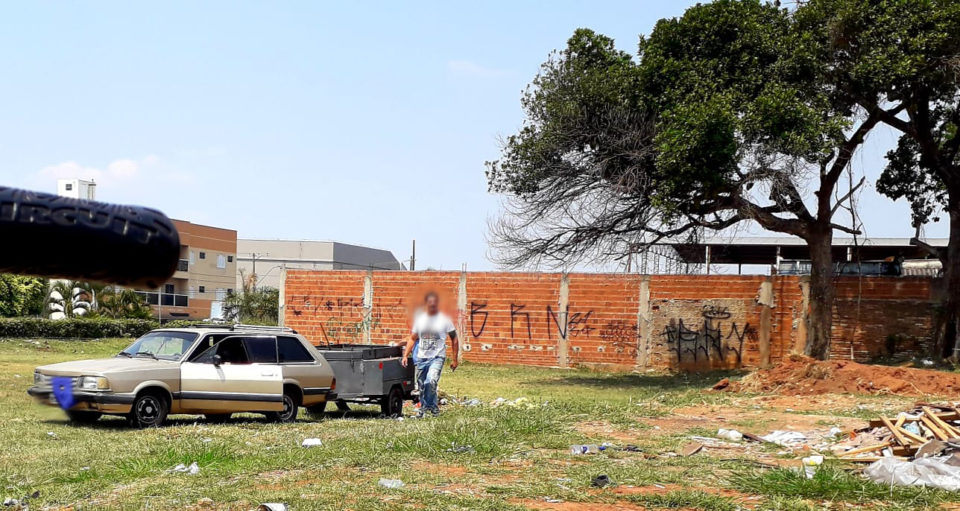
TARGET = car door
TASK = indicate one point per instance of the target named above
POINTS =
(235, 375)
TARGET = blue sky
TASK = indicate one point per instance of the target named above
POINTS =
(358, 122)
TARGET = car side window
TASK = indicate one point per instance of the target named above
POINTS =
(291, 349)
(231, 351)
(262, 350)
(204, 345)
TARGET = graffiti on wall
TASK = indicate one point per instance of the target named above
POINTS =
(715, 338)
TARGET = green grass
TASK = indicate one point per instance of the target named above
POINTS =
(511, 458)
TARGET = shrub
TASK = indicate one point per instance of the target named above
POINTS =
(76, 328)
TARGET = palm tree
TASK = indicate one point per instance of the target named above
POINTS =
(69, 298)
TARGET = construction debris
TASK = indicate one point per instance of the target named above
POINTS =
(925, 431)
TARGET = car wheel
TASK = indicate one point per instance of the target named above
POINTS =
(342, 406)
(83, 417)
(149, 410)
(217, 418)
(289, 412)
(392, 405)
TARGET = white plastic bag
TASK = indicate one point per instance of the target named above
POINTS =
(932, 472)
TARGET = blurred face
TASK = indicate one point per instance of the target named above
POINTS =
(432, 304)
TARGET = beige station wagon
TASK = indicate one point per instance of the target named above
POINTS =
(211, 370)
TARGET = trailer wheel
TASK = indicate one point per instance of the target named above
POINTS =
(392, 405)
(342, 406)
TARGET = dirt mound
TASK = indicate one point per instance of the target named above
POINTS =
(799, 376)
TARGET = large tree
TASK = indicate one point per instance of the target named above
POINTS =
(902, 59)
(728, 114)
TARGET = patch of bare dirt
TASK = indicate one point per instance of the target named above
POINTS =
(578, 506)
(605, 430)
(803, 376)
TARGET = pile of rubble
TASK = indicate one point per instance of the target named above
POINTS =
(925, 431)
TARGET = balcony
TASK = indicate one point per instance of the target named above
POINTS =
(165, 299)
(183, 265)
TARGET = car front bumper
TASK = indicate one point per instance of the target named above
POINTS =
(105, 402)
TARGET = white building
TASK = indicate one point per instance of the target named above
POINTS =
(77, 189)
(267, 258)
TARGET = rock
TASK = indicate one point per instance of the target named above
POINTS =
(601, 481)
(205, 502)
(722, 384)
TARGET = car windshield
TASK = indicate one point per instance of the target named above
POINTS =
(161, 345)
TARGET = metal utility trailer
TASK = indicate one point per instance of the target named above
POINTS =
(369, 373)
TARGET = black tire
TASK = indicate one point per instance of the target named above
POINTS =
(149, 410)
(217, 418)
(342, 406)
(81, 417)
(291, 405)
(392, 404)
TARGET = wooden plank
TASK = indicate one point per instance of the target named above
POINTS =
(932, 426)
(913, 436)
(900, 420)
(870, 448)
(946, 428)
(871, 459)
(902, 440)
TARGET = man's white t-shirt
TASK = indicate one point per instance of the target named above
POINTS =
(433, 331)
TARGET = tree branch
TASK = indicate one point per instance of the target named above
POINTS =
(847, 195)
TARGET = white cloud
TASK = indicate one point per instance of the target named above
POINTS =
(116, 173)
(470, 68)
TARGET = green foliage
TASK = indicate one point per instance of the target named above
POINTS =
(77, 328)
(258, 307)
(21, 295)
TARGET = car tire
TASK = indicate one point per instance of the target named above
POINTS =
(217, 418)
(290, 408)
(318, 409)
(81, 417)
(343, 406)
(392, 404)
(149, 410)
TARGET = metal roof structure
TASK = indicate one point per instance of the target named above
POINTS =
(771, 250)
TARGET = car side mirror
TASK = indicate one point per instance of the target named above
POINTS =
(217, 360)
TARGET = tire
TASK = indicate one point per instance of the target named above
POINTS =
(81, 417)
(149, 410)
(342, 406)
(217, 418)
(392, 405)
(290, 408)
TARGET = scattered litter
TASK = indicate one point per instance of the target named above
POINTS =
(932, 472)
(11, 503)
(311, 442)
(84, 469)
(461, 449)
(51, 434)
(272, 506)
(520, 402)
(730, 434)
(392, 484)
(497, 402)
(691, 449)
(587, 448)
(810, 464)
(601, 481)
(443, 401)
(472, 402)
(927, 362)
(785, 438)
(927, 430)
(548, 500)
(192, 469)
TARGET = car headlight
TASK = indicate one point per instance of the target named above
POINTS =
(37, 378)
(93, 383)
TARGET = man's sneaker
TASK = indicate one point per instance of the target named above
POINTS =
(435, 412)
(421, 413)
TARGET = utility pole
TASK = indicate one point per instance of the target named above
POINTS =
(253, 257)
(413, 257)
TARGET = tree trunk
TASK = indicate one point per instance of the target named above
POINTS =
(949, 321)
(822, 293)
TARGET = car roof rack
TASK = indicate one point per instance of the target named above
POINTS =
(265, 328)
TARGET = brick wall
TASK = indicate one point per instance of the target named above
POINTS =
(693, 322)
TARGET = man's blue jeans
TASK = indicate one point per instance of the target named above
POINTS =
(428, 374)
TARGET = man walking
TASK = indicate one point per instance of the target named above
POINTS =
(430, 331)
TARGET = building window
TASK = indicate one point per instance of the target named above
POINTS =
(230, 291)
(229, 259)
(221, 261)
(202, 289)
(168, 289)
(203, 255)
(68, 186)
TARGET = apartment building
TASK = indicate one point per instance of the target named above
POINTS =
(206, 272)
